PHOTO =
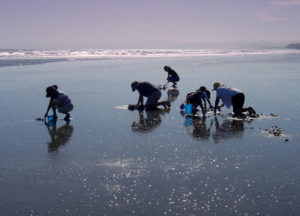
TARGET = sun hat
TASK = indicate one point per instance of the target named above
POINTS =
(216, 85)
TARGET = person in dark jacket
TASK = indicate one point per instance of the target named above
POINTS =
(152, 94)
(172, 75)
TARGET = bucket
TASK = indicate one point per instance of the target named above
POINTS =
(51, 120)
(188, 108)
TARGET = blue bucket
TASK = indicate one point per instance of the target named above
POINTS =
(188, 108)
(51, 120)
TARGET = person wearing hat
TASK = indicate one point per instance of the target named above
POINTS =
(60, 101)
(153, 94)
(172, 75)
(231, 97)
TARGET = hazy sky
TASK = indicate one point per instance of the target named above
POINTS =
(147, 23)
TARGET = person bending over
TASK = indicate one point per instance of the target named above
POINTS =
(231, 97)
(153, 94)
(205, 96)
(60, 101)
(195, 98)
(172, 75)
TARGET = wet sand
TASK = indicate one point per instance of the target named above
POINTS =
(111, 161)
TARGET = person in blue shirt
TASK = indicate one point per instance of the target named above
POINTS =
(152, 93)
(205, 97)
(172, 75)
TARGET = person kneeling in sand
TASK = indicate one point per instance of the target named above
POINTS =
(60, 101)
(231, 96)
(153, 94)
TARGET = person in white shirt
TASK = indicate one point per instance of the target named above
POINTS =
(60, 101)
(231, 97)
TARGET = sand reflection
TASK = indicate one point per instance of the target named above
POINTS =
(202, 129)
(59, 136)
(148, 121)
(229, 128)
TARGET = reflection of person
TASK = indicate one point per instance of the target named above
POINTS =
(172, 75)
(59, 136)
(228, 129)
(200, 131)
(153, 94)
(172, 94)
(60, 101)
(231, 96)
(148, 123)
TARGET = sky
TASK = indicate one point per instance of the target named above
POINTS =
(96, 24)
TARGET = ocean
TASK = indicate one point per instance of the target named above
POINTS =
(112, 161)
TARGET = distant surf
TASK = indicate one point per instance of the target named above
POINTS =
(11, 57)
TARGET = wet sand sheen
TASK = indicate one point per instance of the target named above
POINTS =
(111, 161)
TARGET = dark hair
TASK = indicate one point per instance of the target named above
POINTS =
(202, 88)
(52, 91)
(167, 68)
(133, 85)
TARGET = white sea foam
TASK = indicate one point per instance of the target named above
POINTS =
(133, 53)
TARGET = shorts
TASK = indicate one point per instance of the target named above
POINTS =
(153, 98)
(65, 109)
(237, 102)
(173, 79)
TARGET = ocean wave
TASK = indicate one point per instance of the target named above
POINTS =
(132, 53)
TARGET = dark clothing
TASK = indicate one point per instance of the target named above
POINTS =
(172, 73)
(207, 92)
(146, 89)
(193, 97)
(237, 102)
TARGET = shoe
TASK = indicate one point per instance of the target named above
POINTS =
(167, 104)
(67, 117)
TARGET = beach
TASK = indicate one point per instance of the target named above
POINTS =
(113, 161)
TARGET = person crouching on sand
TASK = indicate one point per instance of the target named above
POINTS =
(153, 94)
(231, 97)
(60, 101)
(172, 75)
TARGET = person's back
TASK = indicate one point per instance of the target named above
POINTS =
(63, 99)
(226, 93)
(146, 89)
(172, 73)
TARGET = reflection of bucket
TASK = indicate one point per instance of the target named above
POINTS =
(188, 108)
(188, 121)
(50, 118)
